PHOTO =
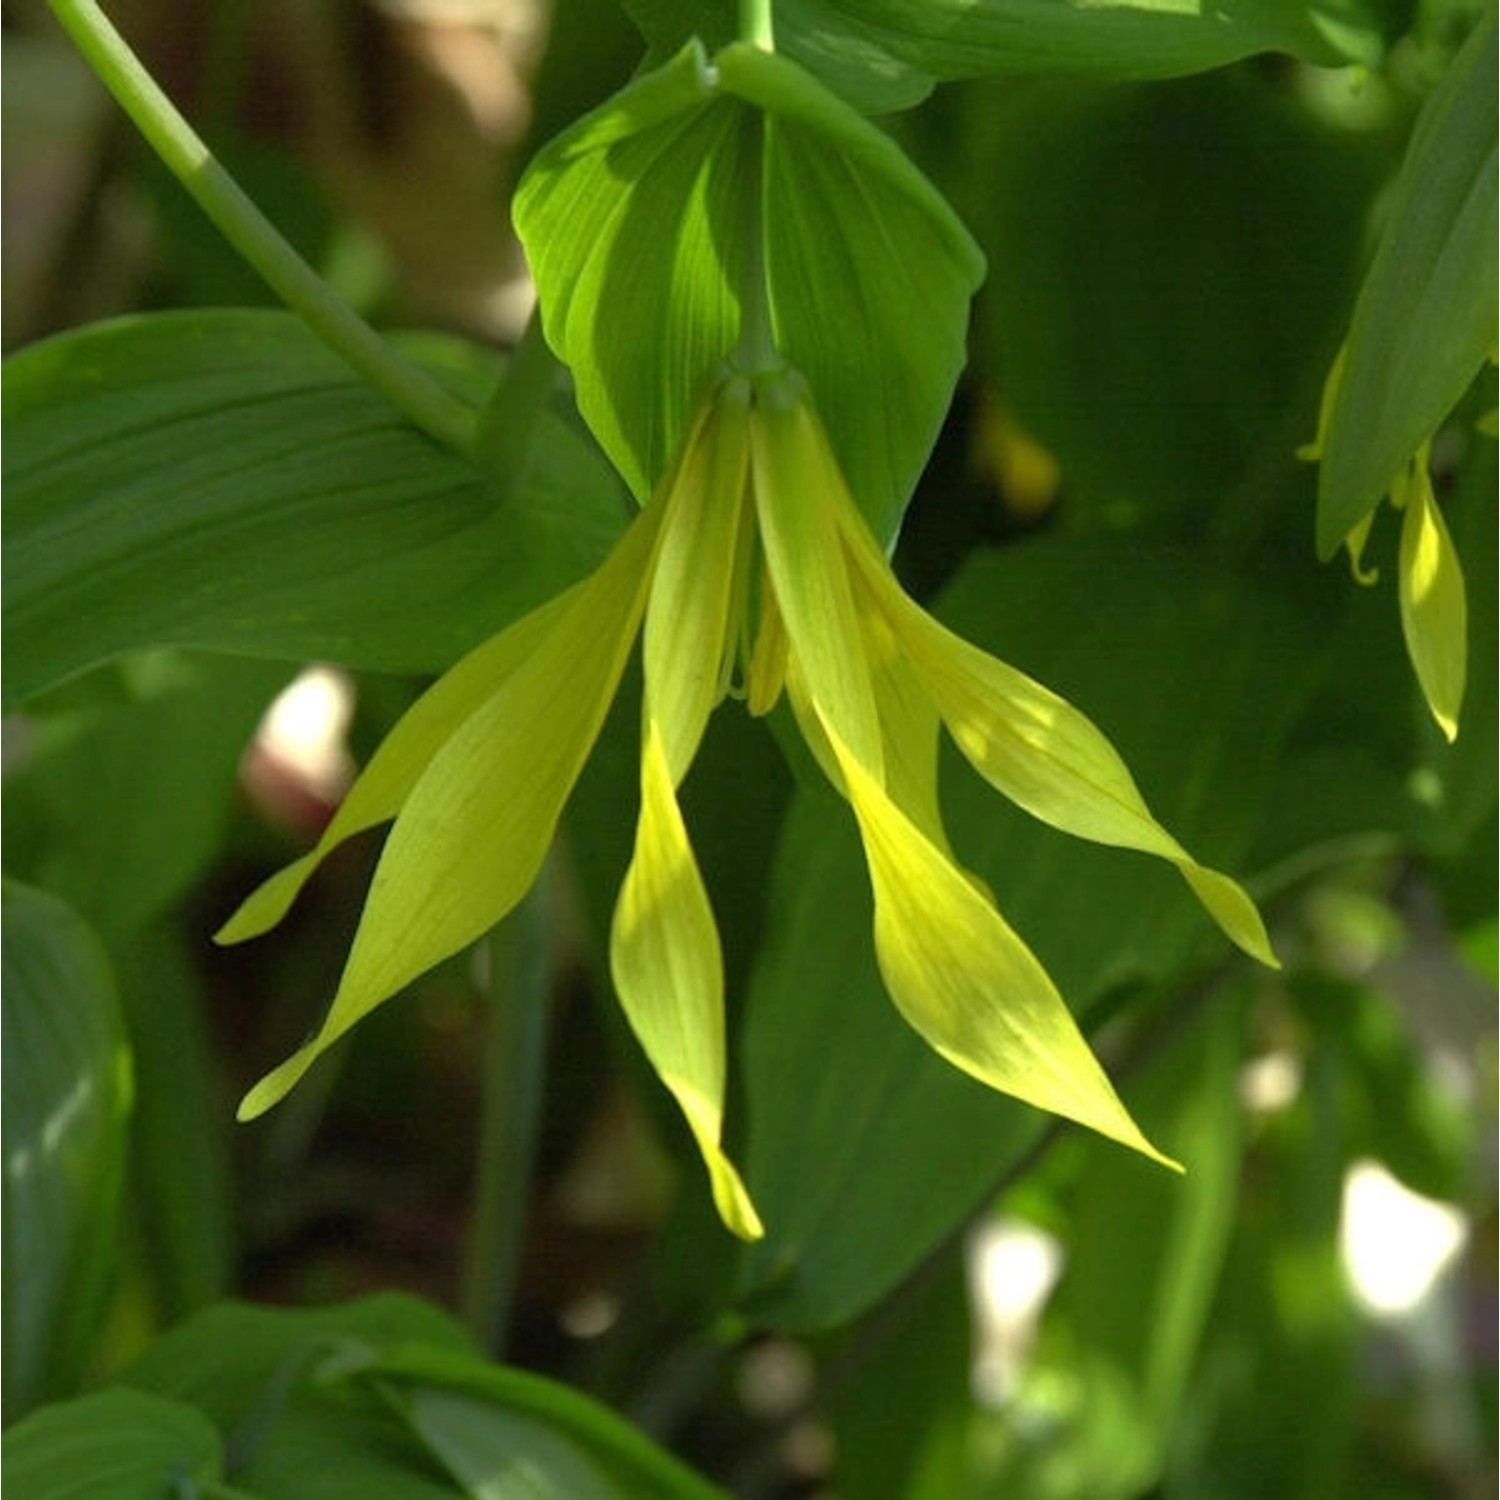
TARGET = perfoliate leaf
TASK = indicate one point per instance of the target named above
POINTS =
(645, 222)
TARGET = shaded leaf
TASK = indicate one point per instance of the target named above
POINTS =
(482, 1419)
(1167, 265)
(267, 1380)
(128, 782)
(116, 1445)
(66, 1099)
(1426, 314)
(219, 479)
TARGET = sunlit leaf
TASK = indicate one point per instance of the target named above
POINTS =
(683, 160)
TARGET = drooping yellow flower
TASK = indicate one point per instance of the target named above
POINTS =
(751, 556)
(1434, 601)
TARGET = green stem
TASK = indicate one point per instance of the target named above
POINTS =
(757, 353)
(407, 388)
(755, 24)
(514, 1060)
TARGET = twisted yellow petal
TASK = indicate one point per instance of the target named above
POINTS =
(668, 970)
(664, 947)
(963, 979)
(806, 565)
(1032, 745)
(384, 784)
(474, 829)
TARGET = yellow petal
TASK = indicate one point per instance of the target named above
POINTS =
(964, 980)
(799, 531)
(383, 785)
(909, 726)
(1038, 750)
(768, 658)
(475, 828)
(691, 626)
(1434, 608)
(667, 967)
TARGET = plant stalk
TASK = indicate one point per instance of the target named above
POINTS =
(515, 1052)
(755, 24)
(420, 399)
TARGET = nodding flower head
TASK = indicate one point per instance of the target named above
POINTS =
(750, 563)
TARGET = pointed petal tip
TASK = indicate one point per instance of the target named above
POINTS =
(1237, 916)
(734, 1205)
(1117, 1124)
(269, 902)
(238, 929)
(277, 1084)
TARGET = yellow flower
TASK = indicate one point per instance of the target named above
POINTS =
(1434, 601)
(751, 556)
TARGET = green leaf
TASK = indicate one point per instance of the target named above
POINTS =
(115, 1445)
(182, 1183)
(218, 479)
(1167, 265)
(840, 1093)
(128, 781)
(640, 224)
(902, 1421)
(269, 1380)
(66, 1098)
(479, 1417)
(1426, 314)
(499, 1455)
(1096, 1409)
(1276, 1386)
(885, 54)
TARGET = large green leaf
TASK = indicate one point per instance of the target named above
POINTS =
(377, 1397)
(645, 222)
(218, 479)
(66, 1098)
(1167, 269)
(501, 1429)
(1426, 315)
(115, 1445)
(290, 1432)
(886, 54)
(902, 1420)
(182, 1183)
(853, 1123)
